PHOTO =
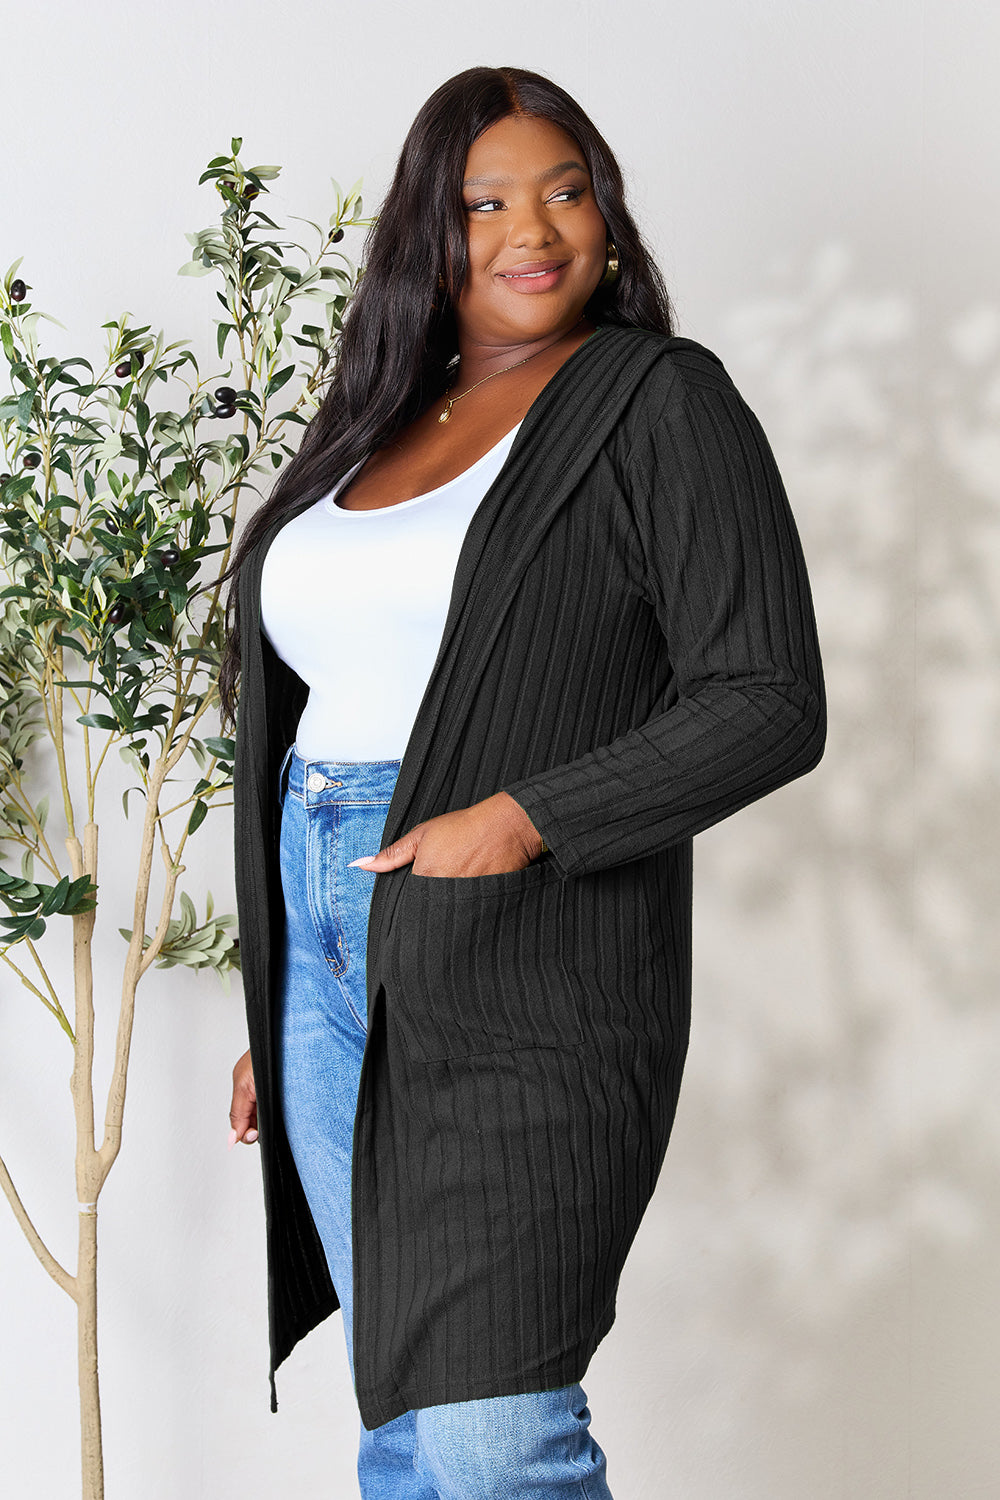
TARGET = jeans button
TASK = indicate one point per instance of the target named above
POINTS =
(316, 781)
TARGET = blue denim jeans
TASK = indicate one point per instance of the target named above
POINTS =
(524, 1447)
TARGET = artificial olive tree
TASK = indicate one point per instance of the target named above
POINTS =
(116, 517)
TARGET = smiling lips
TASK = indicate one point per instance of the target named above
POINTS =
(534, 275)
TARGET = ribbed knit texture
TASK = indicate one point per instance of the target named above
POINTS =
(630, 652)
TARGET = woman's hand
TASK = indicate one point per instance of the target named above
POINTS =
(243, 1114)
(488, 838)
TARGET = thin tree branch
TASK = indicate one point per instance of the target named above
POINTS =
(56, 1009)
(174, 872)
(115, 1111)
(58, 1273)
(42, 971)
(23, 803)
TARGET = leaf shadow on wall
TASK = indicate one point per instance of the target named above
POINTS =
(817, 1259)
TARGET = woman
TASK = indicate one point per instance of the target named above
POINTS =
(511, 629)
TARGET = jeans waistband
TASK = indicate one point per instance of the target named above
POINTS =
(351, 781)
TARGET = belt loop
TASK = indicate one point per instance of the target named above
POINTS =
(283, 774)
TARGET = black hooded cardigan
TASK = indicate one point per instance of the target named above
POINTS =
(630, 652)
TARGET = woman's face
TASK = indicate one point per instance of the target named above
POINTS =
(529, 207)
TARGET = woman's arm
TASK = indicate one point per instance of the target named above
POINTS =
(727, 579)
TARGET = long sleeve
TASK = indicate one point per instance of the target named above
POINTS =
(744, 711)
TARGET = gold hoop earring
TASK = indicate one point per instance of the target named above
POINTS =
(612, 268)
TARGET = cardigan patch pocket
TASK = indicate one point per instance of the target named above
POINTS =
(473, 965)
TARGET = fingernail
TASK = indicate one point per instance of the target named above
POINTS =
(250, 1137)
(232, 1140)
(365, 860)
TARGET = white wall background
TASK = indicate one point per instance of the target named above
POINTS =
(812, 1308)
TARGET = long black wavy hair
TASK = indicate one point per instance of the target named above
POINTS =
(400, 334)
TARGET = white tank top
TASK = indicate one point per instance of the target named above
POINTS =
(355, 602)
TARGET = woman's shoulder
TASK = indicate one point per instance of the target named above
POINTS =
(681, 359)
(681, 367)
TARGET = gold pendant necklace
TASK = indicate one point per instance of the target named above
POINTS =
(452, 399)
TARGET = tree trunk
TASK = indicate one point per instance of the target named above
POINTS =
(92, 1456)
(90, 1175)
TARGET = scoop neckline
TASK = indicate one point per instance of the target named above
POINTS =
(330, 502)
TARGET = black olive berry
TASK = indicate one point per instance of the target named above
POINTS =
(111, 526)
(117, 613)
(124, 370)
(224, 411)
(250, 192)
(31, 460)
(18, 290)
(4, 478)
(225, 395)
(169, 556)
(337, 236)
